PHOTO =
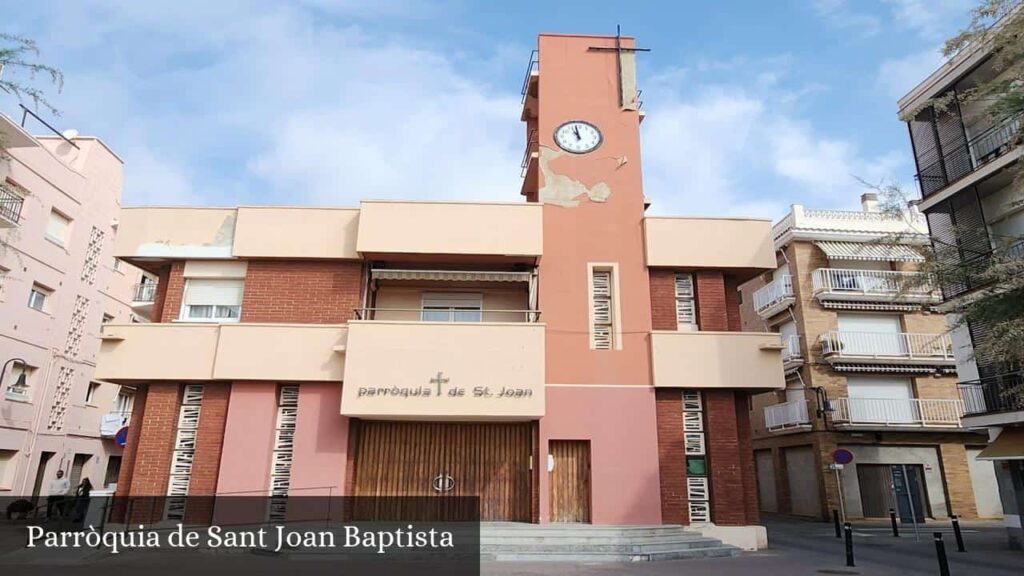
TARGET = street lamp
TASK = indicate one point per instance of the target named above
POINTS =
(19, 385)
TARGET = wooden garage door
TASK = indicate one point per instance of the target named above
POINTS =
(570, 480)
(444, 460)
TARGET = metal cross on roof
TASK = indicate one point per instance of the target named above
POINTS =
(619, 51)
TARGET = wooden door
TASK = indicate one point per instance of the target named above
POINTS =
(442, 461)
(875, 483)
(570, 480)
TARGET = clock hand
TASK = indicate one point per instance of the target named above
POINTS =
(576, 131)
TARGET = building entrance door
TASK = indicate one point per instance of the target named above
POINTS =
(443, 460)
(570, 480)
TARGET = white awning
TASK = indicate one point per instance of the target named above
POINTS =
(1009, 445)
(451, 275)
(869, 251)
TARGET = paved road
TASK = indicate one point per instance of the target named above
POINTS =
(800, 548)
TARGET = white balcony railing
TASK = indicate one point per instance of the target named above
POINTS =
(791, 349)
(145, 292)
(786, 415)
(897, 412)
(111, 422)
(887, 345)
(872, 284)
(771, 298)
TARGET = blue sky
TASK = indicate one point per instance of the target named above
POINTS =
(752, 105)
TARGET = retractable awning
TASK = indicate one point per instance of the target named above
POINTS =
(869, 251)
(1009, 445)
(451, 275)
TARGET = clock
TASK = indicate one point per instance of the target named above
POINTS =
(578, 137)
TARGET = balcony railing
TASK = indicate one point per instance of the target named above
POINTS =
(887, 345)
(774, 297)
(877, 285)
(145, 292)
(447, 315)
(10, 206)
(966, 158)
(791, 348)
(786, 415)
(1003, 393)
(532, 146)
(111, 422)
(897, 412)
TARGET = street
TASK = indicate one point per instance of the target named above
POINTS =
(798, 548)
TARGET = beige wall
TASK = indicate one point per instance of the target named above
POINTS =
(180, 351)
(404, 297)
(281, 232)
(450, 228)
(709, 243)
(175, 232)
(476, 358)
(750, 360)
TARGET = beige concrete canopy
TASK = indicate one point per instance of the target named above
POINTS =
(451, 275)
(869, 251)
(1009, 445)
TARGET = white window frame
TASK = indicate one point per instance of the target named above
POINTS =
(44, 293)
(685, 299)
(185, 313)
(124, 402)
(615, 315)
(90, 393)
(59, 240)
(454, 304)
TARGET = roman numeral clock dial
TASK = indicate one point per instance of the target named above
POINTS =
(578, 137)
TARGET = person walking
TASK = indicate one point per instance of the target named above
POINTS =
(56, 495)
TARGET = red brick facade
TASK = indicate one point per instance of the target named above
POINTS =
(306, 292)
(209, 442)
(732, 304)
(671, 456)
(663, 300)
(174, 291)
(730, 459)
(712, 308)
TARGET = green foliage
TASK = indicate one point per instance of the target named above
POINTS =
(17, 54)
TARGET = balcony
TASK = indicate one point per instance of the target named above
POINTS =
(10, 207)
(747, 360)
(111, 422)
(788, 415)
(896, 412)
(792, 356)
(144, 293)
(470, 370)
(740, 245)
(970, 155)
(182, 351)
(996, 398)
(774, 297)
(892, 348)
(843, 285)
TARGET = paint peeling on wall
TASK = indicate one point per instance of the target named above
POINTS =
(218, 246)
(563, 190)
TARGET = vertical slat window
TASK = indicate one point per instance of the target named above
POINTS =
(686, 310)
(601, 301)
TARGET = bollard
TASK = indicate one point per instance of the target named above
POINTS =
(895, 526)
(956, 532)
(835, 522)
(848, 530)
(940, 551)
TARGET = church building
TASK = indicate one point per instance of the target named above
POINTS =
(561, 355)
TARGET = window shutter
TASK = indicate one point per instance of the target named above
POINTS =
(602, 304)
(214, 292)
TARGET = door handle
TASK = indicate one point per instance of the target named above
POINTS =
(443, 483)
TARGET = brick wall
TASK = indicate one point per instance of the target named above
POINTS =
(174, 292)
(160, 295)
(152, 455)
(663, 299)
(728, 458)
(957, 475)
(712, 310)
(671, 455)
(128, 456)
(748, 469)
(206, 460)
(307, 292)
(732, 304)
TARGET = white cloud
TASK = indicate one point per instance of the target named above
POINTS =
(897, 76)
(842, 14)
(931, 19)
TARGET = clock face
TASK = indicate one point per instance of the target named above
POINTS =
(578, 137)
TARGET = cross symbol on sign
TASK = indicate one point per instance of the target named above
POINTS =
(439, 380)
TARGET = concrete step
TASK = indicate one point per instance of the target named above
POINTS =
(709, 552)
(635, 547)
(588, 539)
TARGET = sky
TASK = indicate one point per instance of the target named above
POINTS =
(751, 105)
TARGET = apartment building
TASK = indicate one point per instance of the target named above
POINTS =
(563, 357)
(59, 202)
(869, 369)
(965, 168)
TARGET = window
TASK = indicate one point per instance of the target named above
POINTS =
(3, 281)
(57, 228)
(686, 310)
(38, 296)
(451, 307)
(12, 389)
(108, 318)
(602, 330)
(7, 466)
(90, 392)
(117, 265)
(125, 401)
(212, 300)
